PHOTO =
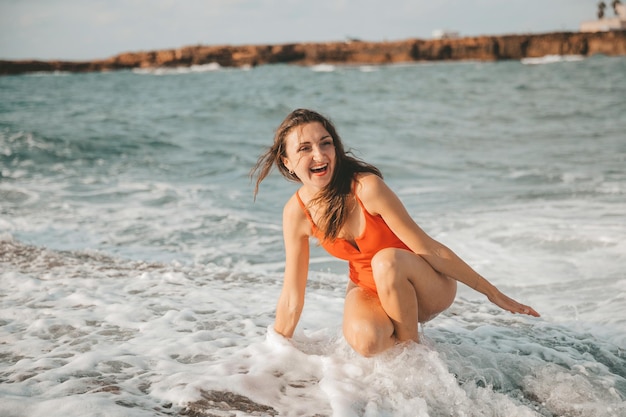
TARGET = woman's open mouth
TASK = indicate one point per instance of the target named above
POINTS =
(320, 170)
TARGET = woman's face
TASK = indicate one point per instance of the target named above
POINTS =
(310, 154)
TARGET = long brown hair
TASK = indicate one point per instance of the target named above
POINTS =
(334, 197)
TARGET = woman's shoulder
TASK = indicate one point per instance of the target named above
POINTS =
(293, 206)
(371, 190)
(293, 212)
(367, 184)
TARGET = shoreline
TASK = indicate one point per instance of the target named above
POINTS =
(481, 48)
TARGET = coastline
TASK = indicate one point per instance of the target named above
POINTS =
(481, 48)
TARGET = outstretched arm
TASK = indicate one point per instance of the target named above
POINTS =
(378, 198)
(291, 300)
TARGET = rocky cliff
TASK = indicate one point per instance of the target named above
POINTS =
(487, 48)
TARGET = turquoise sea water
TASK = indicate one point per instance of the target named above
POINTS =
(137, 272)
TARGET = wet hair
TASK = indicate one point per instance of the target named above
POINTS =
(334, 198)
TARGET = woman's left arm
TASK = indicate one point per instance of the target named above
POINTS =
(378, 198)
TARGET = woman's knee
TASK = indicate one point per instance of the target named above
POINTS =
(390, 267)
(384, 260)
(366, 338)
(385, 266)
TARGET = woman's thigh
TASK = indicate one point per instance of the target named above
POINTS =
(366, 326)
(435, 292)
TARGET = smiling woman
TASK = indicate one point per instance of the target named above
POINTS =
(399, 275)
(310, 154)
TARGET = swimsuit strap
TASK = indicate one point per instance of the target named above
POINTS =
(365, 212)
(306, 211)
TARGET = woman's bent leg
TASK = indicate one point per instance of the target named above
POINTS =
(410, 290)
(366, 326)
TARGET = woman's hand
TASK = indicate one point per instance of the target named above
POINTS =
(509, 304)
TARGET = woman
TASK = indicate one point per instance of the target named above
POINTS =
(399, 276)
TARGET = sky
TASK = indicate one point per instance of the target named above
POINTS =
(98, 29)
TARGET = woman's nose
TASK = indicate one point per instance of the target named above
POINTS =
(317, 153)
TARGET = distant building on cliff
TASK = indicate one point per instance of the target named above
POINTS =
(604, 24)
(444, 34)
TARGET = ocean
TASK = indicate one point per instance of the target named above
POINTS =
(139, 277)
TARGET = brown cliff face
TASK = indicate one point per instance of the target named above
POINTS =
(484, 48)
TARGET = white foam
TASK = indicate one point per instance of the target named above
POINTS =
(572, 393)
(55, 73)
(102, 332)
(323, 68)
(210, 67)
(368, 68)
(551, 59)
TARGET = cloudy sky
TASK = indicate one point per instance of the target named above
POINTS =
(89, 29)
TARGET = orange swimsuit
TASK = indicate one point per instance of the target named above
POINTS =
(375, 237)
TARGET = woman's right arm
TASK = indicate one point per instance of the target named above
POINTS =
(296, 238)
